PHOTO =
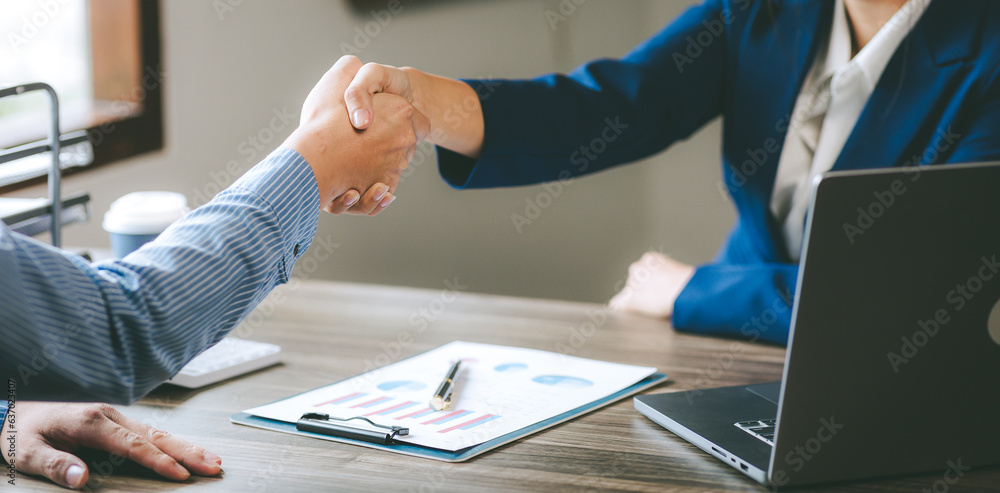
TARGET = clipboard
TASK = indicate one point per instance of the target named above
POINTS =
(404, 448)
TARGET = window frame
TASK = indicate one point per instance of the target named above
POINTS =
(132, 135)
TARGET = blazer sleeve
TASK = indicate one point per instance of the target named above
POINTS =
(750, 301)
(744, 295)
(604, 113)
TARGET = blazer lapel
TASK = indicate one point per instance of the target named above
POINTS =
(894, 129)
(777, 67)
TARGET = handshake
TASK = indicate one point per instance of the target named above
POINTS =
(358, 158)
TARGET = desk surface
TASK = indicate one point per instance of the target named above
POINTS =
(331, 331)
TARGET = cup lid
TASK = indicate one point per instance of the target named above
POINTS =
(144, 213)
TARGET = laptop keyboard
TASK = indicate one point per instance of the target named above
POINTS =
(762, 429)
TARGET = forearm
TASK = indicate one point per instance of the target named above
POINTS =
(603, 114)
(751, 301)
(115, 330)
(453, 108)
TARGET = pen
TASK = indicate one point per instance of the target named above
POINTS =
(442, 398)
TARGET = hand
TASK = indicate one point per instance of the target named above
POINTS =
(452, 106)
(49, 433)
(654, 282)
(371, 79)
(343, 159)
(374, 201)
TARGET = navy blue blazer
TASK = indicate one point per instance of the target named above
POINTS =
(938, 101)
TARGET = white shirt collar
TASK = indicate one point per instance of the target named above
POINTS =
(872, 60)
(835, 93)
(838, 48)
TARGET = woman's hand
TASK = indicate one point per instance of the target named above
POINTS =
(371, 79)
(49, 432)
(451, 106)
(345, 160)
(374, 201)
(654, 283)
(374, 78)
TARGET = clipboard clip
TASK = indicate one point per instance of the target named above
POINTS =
(320, 423)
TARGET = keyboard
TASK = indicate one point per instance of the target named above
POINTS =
(229, 358)
(762, 429)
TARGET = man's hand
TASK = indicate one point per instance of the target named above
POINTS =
(654, 282)
(50, 432)
(433, 96)
(345, 160)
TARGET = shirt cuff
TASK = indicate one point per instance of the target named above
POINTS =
(285, 181)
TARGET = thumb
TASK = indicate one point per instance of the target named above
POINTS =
(359, 104)
(371, 79)
(617, 302)
(62, 468)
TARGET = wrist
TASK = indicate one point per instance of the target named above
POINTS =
(417, 82)
(308, 141)
(453, 108)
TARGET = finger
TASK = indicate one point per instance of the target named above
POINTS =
(410, 154)
(370, 201)
(344, 202)
(617, 302)
(109, 435)
(421, 125)
(346, 68)
(371, 79)
(196, 459)
(62, 468)
(388, 199)
(651, 255)
(635, 267)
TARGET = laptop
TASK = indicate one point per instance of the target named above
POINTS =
(893, 360)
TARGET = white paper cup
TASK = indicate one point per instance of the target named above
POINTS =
(139, 217)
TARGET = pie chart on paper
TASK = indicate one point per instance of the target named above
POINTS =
(562, 381)
(511, 367)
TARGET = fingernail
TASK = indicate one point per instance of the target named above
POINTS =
(380, 192)
(352, 197)
(361, 118)
(392, 198)
(74, 476)
(212, 458)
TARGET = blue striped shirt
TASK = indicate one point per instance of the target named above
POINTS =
(112, 331)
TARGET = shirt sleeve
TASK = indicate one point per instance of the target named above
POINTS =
(113, 331)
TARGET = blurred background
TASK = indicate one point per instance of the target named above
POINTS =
(234, 74)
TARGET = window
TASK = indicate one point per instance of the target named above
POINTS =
(103, 59)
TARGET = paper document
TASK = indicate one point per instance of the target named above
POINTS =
(499, 390)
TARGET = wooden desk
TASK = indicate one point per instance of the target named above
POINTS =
(331, 331)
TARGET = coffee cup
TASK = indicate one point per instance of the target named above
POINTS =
(137, 218)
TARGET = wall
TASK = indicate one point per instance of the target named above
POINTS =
(228, 75)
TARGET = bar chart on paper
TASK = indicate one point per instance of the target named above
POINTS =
(500, 390)
(404, 412)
